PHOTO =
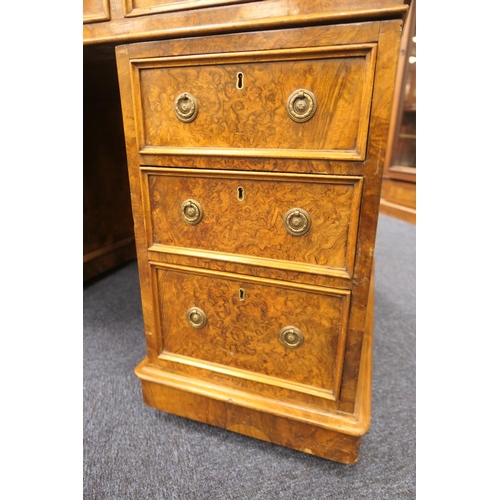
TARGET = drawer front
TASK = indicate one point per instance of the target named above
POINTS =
(300, 222)
(267, 331)
(283, 103)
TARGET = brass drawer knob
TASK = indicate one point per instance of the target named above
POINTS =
(291, 337)
(301, 105)
(297, 221)
(191, 211)
(185, 107)
(196, 317)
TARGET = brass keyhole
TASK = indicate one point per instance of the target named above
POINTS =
(241, 194)
(242, 294)
(239, 81)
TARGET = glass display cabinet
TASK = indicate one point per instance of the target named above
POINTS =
(400, 174)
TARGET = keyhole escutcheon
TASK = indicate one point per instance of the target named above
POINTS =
(242, 294)
(240, 193)
(239, 80)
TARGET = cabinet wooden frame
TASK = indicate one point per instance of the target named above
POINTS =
(334, 427)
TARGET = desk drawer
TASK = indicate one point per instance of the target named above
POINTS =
(276, 103)
(303, 222)
(263, 330)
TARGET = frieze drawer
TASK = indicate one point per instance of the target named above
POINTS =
(275, 103)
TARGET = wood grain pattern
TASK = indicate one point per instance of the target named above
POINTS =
(255, 117)
(254, 226)
(244, 334)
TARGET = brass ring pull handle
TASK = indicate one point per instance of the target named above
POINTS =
(297, 221)
(301, 105)
(185, 107)
(196, 317)
(291, 337)
(191, 211)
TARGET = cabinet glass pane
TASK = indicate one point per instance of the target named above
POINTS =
(403, 158)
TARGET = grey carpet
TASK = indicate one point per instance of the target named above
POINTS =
(131, 451)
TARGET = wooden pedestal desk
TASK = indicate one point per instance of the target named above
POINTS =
(255, 134)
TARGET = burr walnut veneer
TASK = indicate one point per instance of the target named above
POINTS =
(255, 154)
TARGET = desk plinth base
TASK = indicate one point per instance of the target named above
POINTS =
(336, 439)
